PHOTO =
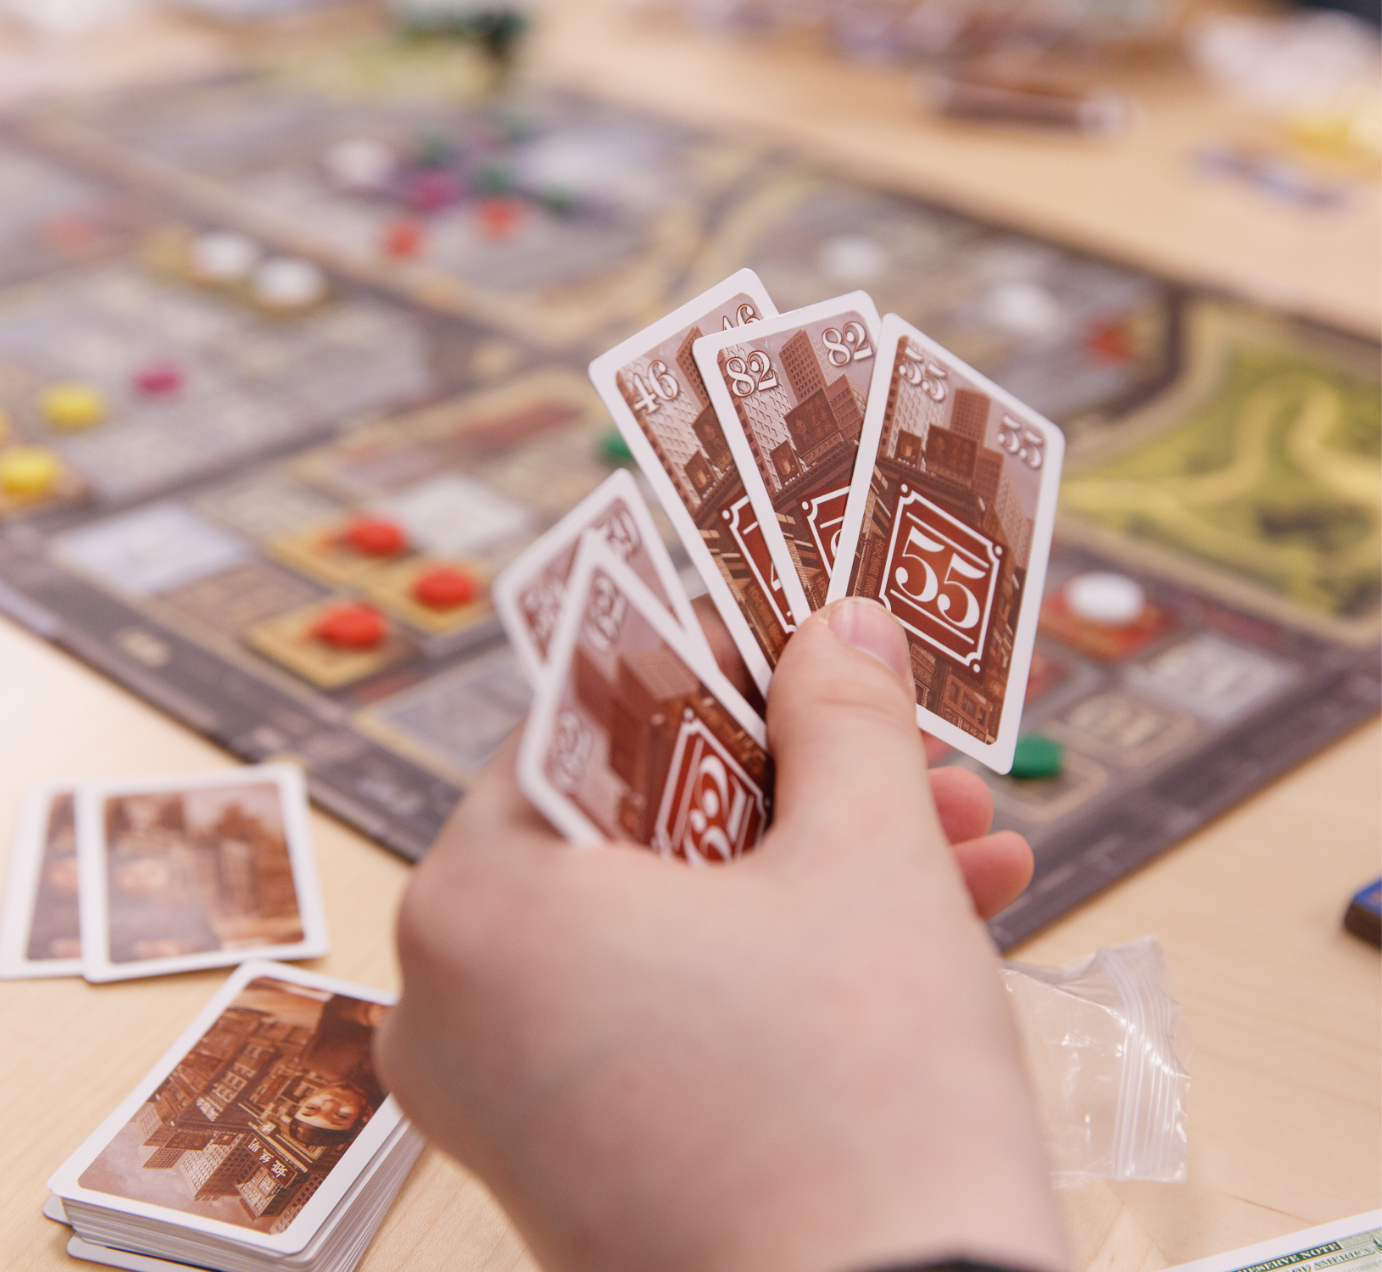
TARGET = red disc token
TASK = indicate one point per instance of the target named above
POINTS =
(351, 627)
(402, 239)
(499, 218)
(445, 588)
(158, 377)
(375, 536)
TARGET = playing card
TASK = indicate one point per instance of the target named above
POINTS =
(790, 393)
(654, 391)
(263, 1115)
(529, 594)
(186, 872)
(949, 525)
(40, 924)
(635, 734)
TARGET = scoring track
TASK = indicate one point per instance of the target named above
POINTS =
(215, 543)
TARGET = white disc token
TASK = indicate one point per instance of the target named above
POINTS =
(1113, 599)
(360, 164)
(222, 257)
(287, 282)
(851, 259)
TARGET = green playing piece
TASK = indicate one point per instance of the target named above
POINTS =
(615, 450)
(1037, 756)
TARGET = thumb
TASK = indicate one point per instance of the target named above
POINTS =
(843, 731)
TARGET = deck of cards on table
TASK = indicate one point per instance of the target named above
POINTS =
(146, 876)
(801, 458)
(262, 1138)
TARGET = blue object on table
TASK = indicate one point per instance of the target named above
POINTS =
(1364, 915)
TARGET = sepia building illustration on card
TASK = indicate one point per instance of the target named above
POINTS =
(947, 535)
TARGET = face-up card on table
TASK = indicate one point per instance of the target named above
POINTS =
(790, 393)
(949, 525)
(654, 391)
(529, 594)
(186, 872)
(636, 734)
(40, 923)
(259, 1119)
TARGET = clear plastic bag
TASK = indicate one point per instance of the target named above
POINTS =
(1107, 1050)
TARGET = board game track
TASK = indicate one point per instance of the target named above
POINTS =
(391, 749)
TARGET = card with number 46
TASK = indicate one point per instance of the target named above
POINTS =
(948, 524)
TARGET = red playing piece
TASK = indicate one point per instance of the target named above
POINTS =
(445, 587)
(375, 536)
(158, 377)
(351, 627)
(499, 218)
(402, 239)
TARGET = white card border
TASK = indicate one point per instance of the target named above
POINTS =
(21, 886)
(504, 591)
(556, 807)
(602, 375)
(63, 1182)
(91, 855)
(1279, 1247)
(704, 351)
(997, 755)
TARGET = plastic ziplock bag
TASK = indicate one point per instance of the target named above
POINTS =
(1106, 1050)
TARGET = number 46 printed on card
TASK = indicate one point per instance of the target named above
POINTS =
(948, 523)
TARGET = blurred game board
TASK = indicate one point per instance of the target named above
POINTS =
(477, 256)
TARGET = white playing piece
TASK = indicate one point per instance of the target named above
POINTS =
(1114, 599)
(1024, 308)
(223, 257)
(360, 164)
(287, 282)
(851, 259)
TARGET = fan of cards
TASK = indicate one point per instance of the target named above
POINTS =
(142, 877)
(262, 1139)
(801, 458)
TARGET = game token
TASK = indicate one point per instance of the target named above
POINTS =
(1037, 756)
(375, 536)
(431, 191)
(288, 282)
(445, 587)
(499, 218)
(354, 626)
(71, 406)
(615, 450)
(158, 377)
(28, 470)
(402, 239)
(222, 257)
(361, 164)
(1099, 597)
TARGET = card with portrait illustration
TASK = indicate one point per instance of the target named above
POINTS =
(254, 1125)
(635, 733)
(948, 524)
(187, 872)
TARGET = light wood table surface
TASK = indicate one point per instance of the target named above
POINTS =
(1286, 1009)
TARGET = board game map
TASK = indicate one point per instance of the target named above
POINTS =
(1226, 458)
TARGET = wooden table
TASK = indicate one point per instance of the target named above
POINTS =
(1285, 1123)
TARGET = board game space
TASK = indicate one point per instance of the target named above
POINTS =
(211, 479)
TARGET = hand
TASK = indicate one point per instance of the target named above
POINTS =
(802, 1061)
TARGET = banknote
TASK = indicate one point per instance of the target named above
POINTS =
(635, 733)
(948, 524)
(529, 594)
(791, 393)
(654, 390)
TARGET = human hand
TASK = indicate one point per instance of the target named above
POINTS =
(800, 1061)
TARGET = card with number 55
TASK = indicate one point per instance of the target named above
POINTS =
(948, 524)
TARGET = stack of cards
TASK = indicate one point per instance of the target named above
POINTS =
(801, 458)
(110, 880)
(262, 1139)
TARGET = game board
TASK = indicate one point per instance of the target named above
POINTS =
(1227, 459)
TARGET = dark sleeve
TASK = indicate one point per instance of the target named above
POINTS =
(948, 1265)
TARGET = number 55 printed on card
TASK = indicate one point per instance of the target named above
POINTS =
(949, 524)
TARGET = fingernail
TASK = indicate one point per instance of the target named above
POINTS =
(868, 626)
